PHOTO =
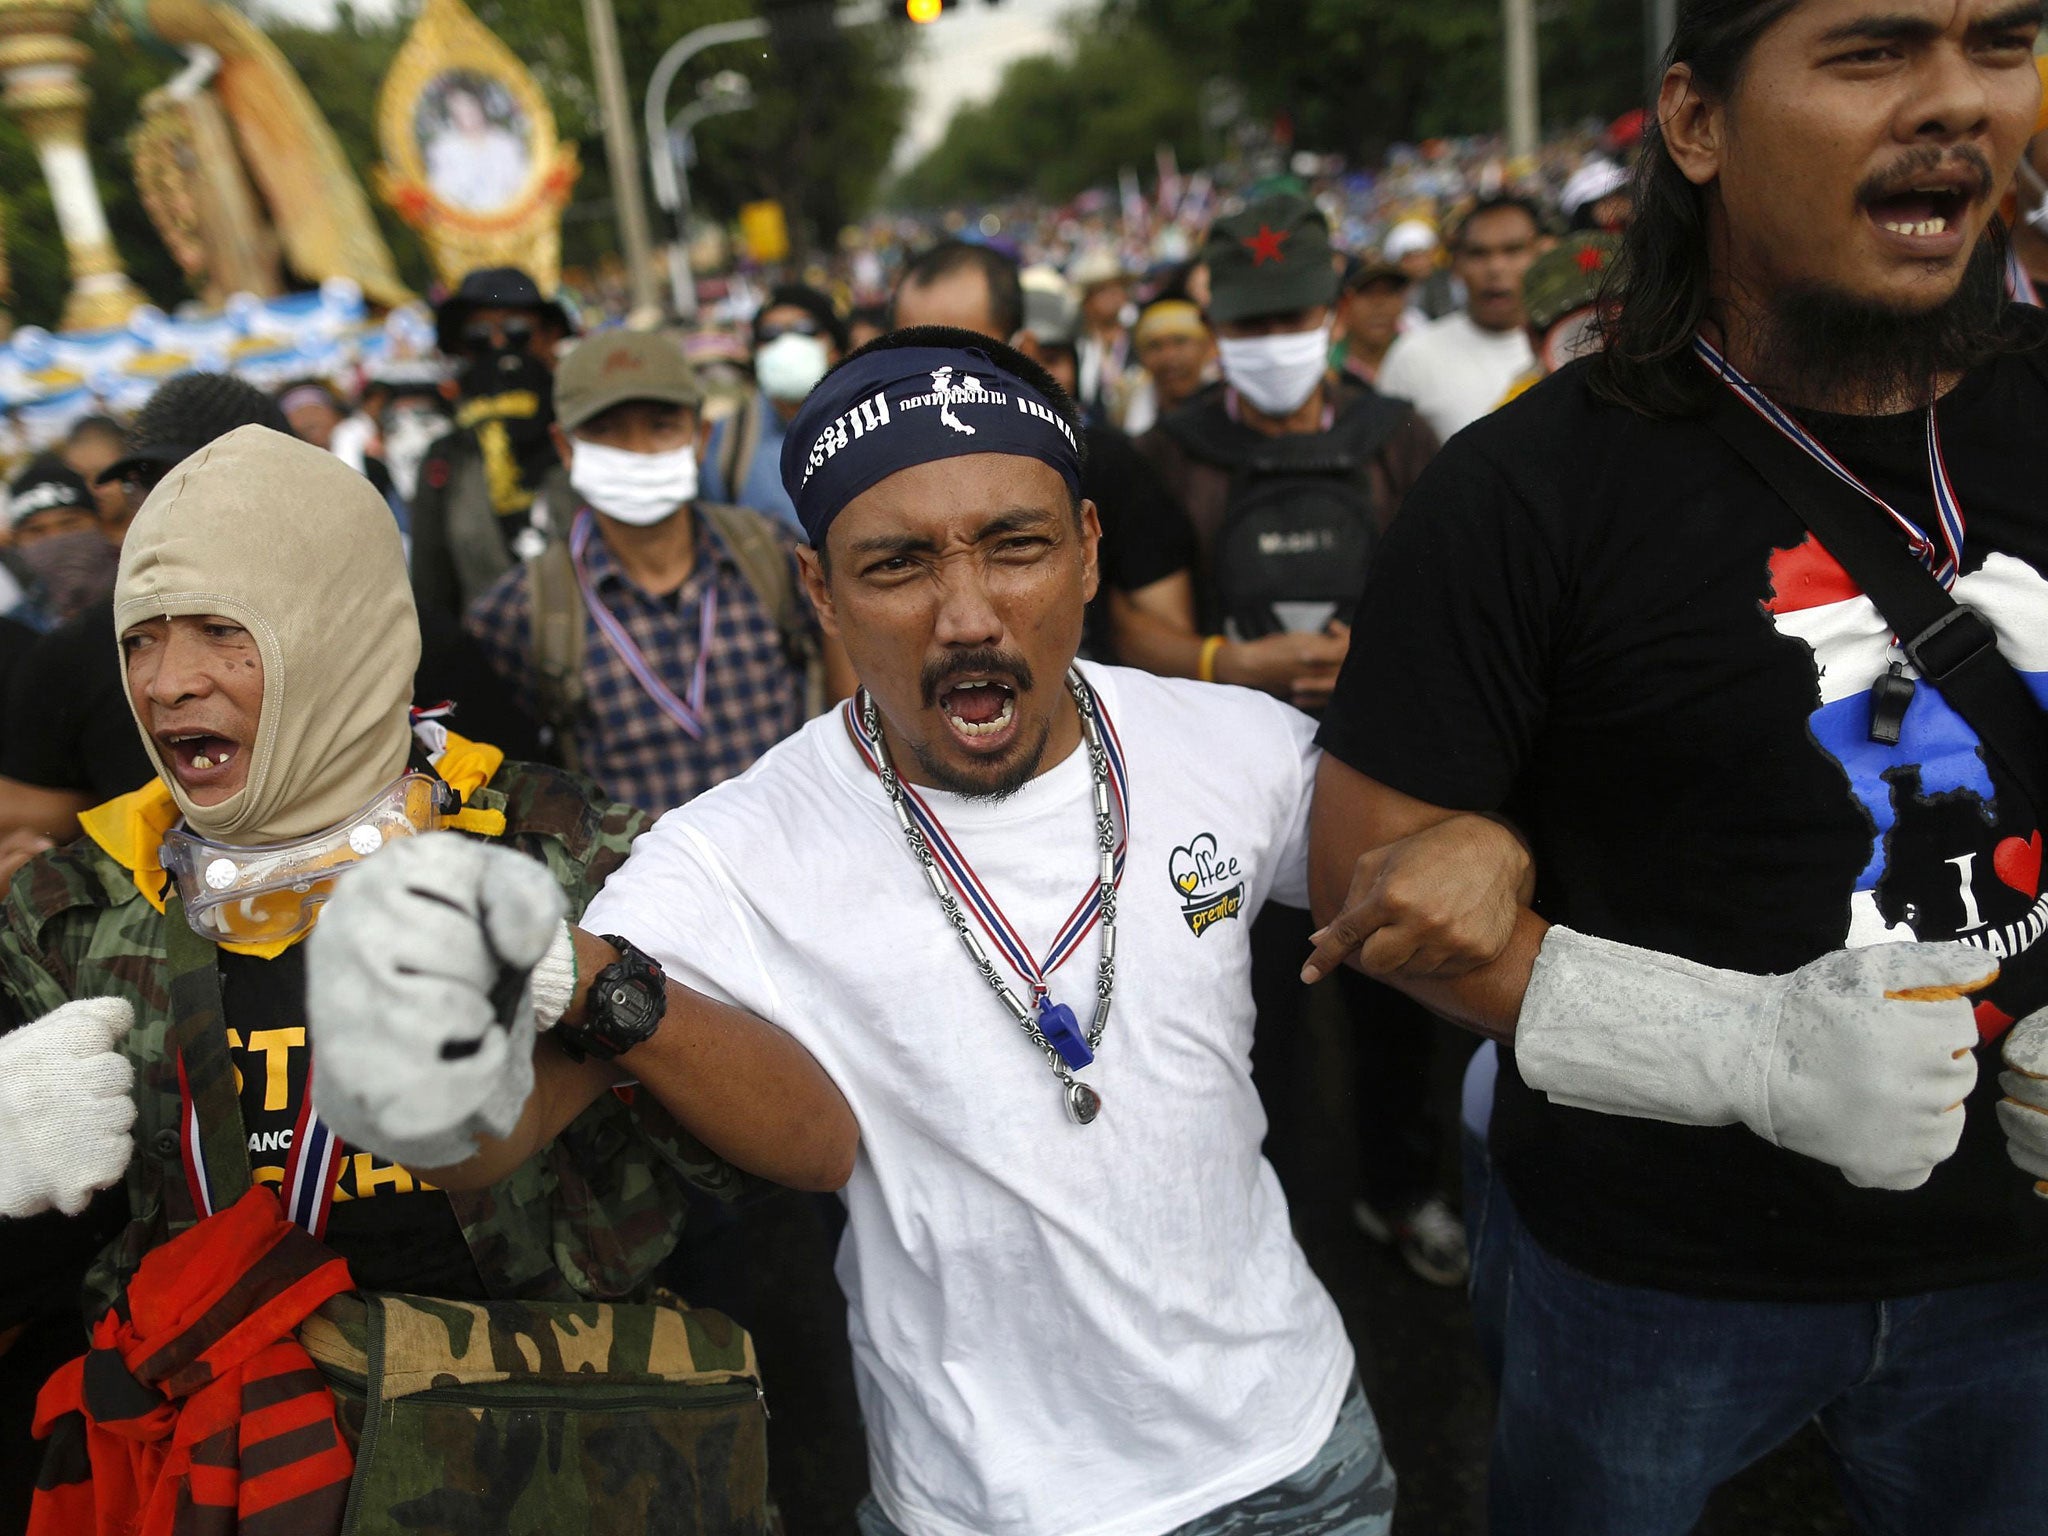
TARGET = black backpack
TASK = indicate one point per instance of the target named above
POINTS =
(1299, 527)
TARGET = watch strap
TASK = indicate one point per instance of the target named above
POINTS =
(627, 1001)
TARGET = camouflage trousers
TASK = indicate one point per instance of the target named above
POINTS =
(1347, 1489)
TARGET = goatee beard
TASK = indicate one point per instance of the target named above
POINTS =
(1821, 348)
(1022, 769)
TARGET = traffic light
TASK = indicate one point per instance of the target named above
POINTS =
(921, 12)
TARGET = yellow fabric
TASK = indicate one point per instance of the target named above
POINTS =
(131, 827)
(1522, 386)
(1169, 317)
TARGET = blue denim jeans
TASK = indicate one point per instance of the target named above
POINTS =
(1487, 1283)
(1623, 1408)
(1347, 1489)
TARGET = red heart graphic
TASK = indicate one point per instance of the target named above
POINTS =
(1992, 1020)
(2019, 863)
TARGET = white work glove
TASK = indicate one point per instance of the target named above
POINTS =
(1828, 1061)
(432, 965)
(2024, 1110)
(65, 1110)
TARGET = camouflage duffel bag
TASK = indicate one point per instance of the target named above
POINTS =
(514, 1418)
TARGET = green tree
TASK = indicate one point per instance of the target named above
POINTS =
(1355, 75)
(1058, 124)
(828, 107)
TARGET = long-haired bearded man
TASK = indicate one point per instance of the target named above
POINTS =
(1746, 1175)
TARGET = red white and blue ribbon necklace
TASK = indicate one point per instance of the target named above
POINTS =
(1945, 559)
(961, 892)
(307, 1191)
(688, 714)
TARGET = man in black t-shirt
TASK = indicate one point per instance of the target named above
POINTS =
(1749, 1175)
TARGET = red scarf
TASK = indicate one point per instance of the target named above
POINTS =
(196, 1401)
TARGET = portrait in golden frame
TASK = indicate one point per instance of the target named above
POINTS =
(471, 159)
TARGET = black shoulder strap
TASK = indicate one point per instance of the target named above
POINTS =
(1950, 645)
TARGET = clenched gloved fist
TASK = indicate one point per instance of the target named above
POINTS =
(2024, 1110)
(65, 1110)
(1831, 1061)
(433, 964)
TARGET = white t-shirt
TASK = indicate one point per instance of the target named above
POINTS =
(1452, 371)
(1058, 1330)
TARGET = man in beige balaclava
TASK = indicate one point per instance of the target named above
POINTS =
(268, 642)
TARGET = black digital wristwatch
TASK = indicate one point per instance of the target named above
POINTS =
(625, 1007)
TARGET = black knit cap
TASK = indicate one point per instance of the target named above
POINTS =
(185, 414)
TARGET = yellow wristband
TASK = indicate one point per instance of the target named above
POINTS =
(1205, 668)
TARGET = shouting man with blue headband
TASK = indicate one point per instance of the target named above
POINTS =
(1003, 898)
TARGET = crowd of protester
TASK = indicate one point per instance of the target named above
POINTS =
(1303, 431)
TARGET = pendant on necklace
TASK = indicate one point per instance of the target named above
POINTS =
(1083, 1103)
(1063, 1033)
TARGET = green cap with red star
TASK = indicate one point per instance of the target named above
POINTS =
(1567, 277)
(1271, 259)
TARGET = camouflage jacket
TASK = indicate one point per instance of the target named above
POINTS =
(589, 1217)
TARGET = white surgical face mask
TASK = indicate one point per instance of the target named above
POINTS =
(636, 488)
(1276, 373)
(790, 366)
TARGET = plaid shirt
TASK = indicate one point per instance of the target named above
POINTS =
(753, 695)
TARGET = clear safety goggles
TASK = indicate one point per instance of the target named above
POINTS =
(269, 893)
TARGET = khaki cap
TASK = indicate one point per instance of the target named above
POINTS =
(614, 366)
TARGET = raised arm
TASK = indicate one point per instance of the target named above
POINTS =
(433, 977)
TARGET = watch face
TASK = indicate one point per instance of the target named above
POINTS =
(631, 1011)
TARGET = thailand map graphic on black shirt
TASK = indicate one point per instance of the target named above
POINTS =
(1607, 627)
(1955, 849)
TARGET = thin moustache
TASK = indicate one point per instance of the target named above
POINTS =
(1012, 669)
(1901, 178)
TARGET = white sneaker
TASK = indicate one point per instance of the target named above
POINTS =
(1430, 1239)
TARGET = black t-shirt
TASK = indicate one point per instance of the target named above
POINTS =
(67, 721)
(17, 640)
(1611, 628)
(1145, 535)
(397, 1232)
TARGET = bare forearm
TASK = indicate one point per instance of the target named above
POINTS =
(737, 1083)
(1488, 1000)
(1355, 817)
(562, 1090)
(1154, 627)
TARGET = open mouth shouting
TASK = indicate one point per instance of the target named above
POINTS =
(201, 759)
(1923, 212)
(982, 711)
(977, 694)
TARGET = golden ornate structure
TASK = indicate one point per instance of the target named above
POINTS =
(39, 61)
(191, 182)
(471, 159)
(324, 226)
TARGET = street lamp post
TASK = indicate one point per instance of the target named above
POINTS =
(661, 158)
(726, 91)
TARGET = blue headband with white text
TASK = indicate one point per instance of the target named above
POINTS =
(888, 410)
